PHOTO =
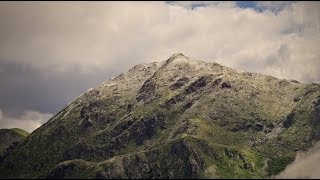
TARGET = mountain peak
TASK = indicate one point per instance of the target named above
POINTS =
(177, 55)
(175, 58)
(178, 118)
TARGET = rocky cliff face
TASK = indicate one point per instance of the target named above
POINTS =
(180, 118)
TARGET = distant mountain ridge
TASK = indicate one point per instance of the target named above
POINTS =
(179, 118)
(10, 136)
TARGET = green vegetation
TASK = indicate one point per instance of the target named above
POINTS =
(21, 132)
(10, 136)
(176, 119)
(278, 164)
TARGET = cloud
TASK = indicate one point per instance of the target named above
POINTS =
(29, 120)
(272, 5)
(305, 166)
(195, 4)
(57, 35)
(24, 87)
(53, 51)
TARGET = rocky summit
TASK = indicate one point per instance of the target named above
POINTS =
(180, 118)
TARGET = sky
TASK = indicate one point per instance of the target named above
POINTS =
(51, 52)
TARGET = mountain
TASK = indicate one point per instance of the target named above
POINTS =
(305, 166)
(10, 136)
(180, 118)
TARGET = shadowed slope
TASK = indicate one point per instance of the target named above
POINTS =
(174, 119)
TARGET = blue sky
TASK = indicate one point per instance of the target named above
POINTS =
(247, 4)
(242, 4)
(258, 6)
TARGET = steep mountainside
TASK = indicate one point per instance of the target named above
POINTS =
(10, 136)
(174, 119)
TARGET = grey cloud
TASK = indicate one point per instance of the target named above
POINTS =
(50, 52)
(24, 87)
(28, 120)
(58, 35)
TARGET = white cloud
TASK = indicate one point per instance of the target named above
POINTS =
(59, 35)
(29, 120)
(196, 4)
(305, 166)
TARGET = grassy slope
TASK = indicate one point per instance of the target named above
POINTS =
(220, 135)
(21, 132)
(9, 136)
